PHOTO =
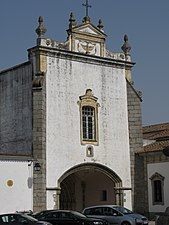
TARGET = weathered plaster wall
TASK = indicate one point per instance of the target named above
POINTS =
(16, 111)
(66, 80)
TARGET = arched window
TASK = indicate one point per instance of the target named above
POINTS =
(88, 118)
(157, 183)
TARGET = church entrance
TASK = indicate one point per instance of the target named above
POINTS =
(89, 184)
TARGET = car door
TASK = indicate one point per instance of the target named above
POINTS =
(52, 217)
(95, 212)
(112, 216)
(20, 220)
(68, 219)
(59, 218)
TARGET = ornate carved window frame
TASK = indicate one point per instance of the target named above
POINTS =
(89, 100)
(157, 177)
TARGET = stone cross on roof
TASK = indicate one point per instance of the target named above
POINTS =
(87, 7)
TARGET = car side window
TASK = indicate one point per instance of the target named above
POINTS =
(5, 219)
(93, 211)
(65, 216)
(89, 212)
(20, 219)
(52, 215)
(107, 211)
(98, 211)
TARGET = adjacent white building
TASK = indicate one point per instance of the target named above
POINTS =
(152, 170)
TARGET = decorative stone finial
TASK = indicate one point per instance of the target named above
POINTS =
(126, 47)
(71, 21)
(89, 92)
(86, 19)
(41, 30)
(100, 25)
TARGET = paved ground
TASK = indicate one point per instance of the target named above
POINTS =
(151, 223)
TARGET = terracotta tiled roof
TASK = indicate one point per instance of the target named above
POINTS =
(156, 146)
(159, 133)
(154, 132)
(156, 127)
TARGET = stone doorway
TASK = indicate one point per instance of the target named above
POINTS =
(89, 184)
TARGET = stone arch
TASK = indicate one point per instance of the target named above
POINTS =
(85, 166)
(76, 176)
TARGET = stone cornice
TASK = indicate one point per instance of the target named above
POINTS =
(80, 57)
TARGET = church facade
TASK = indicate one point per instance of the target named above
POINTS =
(70, 124)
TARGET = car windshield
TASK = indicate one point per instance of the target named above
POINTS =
(78, 214)
(30, 218)
(123, 210)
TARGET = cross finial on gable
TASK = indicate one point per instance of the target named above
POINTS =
(87, 7)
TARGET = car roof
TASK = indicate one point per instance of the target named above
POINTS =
(61, 210)
(46, 210)
(94, 206)
(7, 214)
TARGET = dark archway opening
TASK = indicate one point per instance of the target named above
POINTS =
(86, 185)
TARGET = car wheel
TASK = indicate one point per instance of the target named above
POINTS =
(126, 223)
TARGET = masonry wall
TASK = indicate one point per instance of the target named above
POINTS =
(16, 111)
(136, 142)
(39, 142)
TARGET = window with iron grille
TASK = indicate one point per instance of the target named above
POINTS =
(88, 118)
(88, 123)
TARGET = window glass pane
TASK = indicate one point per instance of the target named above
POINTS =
(88, 122)
(90, 127)
(157, 191)
(104, 196)
(84, 128)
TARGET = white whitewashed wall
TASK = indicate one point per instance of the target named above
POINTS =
(16, 186)
(66, 81)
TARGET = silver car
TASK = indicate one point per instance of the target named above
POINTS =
(115, 214)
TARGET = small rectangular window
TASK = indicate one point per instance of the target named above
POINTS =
(157, 191)
(103, 195)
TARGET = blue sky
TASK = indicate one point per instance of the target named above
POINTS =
(145, 22)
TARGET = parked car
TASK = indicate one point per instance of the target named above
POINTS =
(20, 219)
(162, 218)
(69, 217)
(115, 214)
(39, 214)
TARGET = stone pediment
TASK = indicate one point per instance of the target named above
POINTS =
(89, 29)
(86, 38)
